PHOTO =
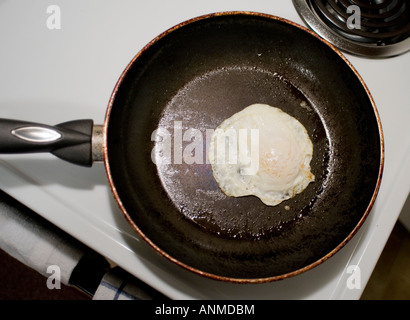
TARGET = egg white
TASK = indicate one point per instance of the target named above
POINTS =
(269, 158)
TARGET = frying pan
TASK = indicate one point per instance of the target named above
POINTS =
(195, 75)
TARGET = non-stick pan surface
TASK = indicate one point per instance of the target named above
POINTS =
(202, 72)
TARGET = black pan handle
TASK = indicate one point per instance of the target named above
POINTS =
(70, 141)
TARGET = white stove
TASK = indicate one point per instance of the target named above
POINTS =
(52, 75)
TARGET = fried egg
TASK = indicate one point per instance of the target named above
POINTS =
(261, 151)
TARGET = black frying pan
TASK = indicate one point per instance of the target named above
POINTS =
(198, 74)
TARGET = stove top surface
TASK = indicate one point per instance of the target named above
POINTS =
(376, 29)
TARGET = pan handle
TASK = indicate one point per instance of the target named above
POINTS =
(70, 141)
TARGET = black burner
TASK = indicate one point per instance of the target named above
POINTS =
(383, 29)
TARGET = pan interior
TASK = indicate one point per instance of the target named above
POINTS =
(189, 118)
(200, 74)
